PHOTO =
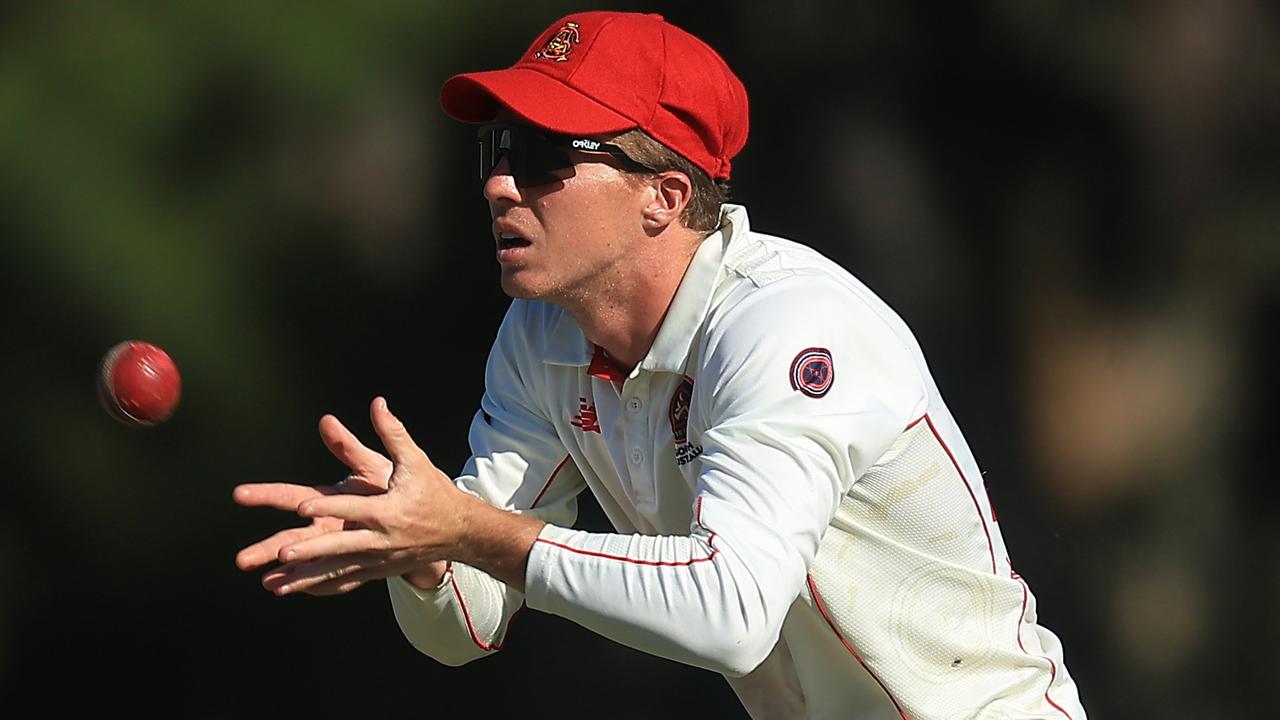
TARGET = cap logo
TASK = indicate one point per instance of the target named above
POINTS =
(560, 44)
(813, 371)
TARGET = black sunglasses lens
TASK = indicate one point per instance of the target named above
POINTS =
(543, 161)
(495, 141)
(533, 159)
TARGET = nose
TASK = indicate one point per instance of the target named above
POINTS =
(500, 187)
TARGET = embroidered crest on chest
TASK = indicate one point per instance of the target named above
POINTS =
(678, 412)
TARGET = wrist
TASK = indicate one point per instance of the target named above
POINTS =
(498, 542)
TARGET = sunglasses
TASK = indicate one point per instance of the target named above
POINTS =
(537, 159)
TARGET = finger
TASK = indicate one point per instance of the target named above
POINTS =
(395, 438)
(347, 447)
(304, 577)
(281, 496)
(337, 587)
(265, 551)
(275, 578)
(329, 545)
(343, 582)
(352, 508)
(356, 484)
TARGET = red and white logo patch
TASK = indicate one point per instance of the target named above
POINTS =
(813, 371)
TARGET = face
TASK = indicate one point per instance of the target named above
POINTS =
(564, 240)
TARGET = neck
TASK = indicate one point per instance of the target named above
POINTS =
(627, 308)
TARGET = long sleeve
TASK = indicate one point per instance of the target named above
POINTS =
(517, 463)
(774, 462)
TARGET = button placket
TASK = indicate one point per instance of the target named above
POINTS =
(637, 435)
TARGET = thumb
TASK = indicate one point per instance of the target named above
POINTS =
(395, 438)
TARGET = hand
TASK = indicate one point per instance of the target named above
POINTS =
(322, 572)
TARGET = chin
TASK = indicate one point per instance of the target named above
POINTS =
(516, 289)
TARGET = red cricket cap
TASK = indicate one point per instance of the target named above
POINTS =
(592, 73)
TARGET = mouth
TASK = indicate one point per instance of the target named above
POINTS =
(512, 242)
(508, 241)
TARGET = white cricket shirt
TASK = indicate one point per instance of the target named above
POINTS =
(795, 507)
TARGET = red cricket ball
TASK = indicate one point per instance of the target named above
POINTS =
(138, 383)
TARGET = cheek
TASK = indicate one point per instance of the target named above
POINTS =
(589, 206)
(611, 201)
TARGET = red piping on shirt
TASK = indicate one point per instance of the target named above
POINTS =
(639, 561)
(847, 646)
(1053, 668)
(543, 491)
(471, 630)
(487, 647)
(991, 548)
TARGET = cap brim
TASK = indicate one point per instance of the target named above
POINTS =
(539, 99)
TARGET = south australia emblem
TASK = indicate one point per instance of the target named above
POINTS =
(560, 44)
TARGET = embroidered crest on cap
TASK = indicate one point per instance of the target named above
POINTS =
(560, 44)
(812, 372)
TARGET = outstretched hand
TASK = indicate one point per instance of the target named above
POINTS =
(390, 516)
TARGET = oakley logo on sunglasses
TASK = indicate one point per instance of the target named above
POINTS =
(537, 159)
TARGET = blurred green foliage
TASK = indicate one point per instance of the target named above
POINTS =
(1075, 205)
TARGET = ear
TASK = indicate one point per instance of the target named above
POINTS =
(669, 194)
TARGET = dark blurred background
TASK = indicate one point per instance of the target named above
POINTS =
(1074, 204)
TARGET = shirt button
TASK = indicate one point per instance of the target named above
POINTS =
(634, 405)
(637, 456)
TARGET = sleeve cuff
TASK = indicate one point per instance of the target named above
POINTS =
(425, 595)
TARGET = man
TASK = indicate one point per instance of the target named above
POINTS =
(795, 507)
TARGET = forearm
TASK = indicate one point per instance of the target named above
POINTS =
(696, 599)
(497, 541)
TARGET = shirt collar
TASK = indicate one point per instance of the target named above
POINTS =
(693, 297)
(569, 345)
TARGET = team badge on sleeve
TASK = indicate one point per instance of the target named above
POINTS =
(812, 372)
